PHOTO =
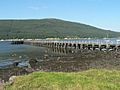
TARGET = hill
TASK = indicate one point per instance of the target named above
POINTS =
(50, 28)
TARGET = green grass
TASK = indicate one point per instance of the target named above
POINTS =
(87, 80)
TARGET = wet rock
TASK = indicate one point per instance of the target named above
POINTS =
(58, 58)
(29, 70)
(33, 61)
(15, 64)
(46, 56)
(20, 56)
(14, 55)
(1, 81)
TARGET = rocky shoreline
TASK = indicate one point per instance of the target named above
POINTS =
(76, 60)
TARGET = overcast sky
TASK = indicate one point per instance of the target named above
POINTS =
(100, 13)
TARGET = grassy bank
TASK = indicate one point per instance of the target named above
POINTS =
(87, 80)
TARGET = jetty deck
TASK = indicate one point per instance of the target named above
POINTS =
(102, 44)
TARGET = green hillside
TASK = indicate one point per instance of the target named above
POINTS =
(50, 28)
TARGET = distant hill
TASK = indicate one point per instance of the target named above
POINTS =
(50, 28)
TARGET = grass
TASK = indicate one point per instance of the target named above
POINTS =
(95, 79)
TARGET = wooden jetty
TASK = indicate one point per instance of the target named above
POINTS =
(17, 42)
(76, 44)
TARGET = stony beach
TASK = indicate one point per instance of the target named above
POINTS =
(66, 61)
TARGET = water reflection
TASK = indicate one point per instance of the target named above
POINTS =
(62, 50)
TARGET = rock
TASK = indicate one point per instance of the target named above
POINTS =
(20, 56)
(1, 87)
(33, 61)
(15, 64)
(12, 79)
(58, 58)
(1, 84)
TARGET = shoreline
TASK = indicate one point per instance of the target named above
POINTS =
(73, 62)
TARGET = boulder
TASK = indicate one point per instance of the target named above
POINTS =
(12, 79)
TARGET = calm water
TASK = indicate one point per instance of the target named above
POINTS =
(18, 53)
(10, 54)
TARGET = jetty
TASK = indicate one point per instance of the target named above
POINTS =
(93, 44)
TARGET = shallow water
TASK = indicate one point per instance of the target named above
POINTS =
(17, 53)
